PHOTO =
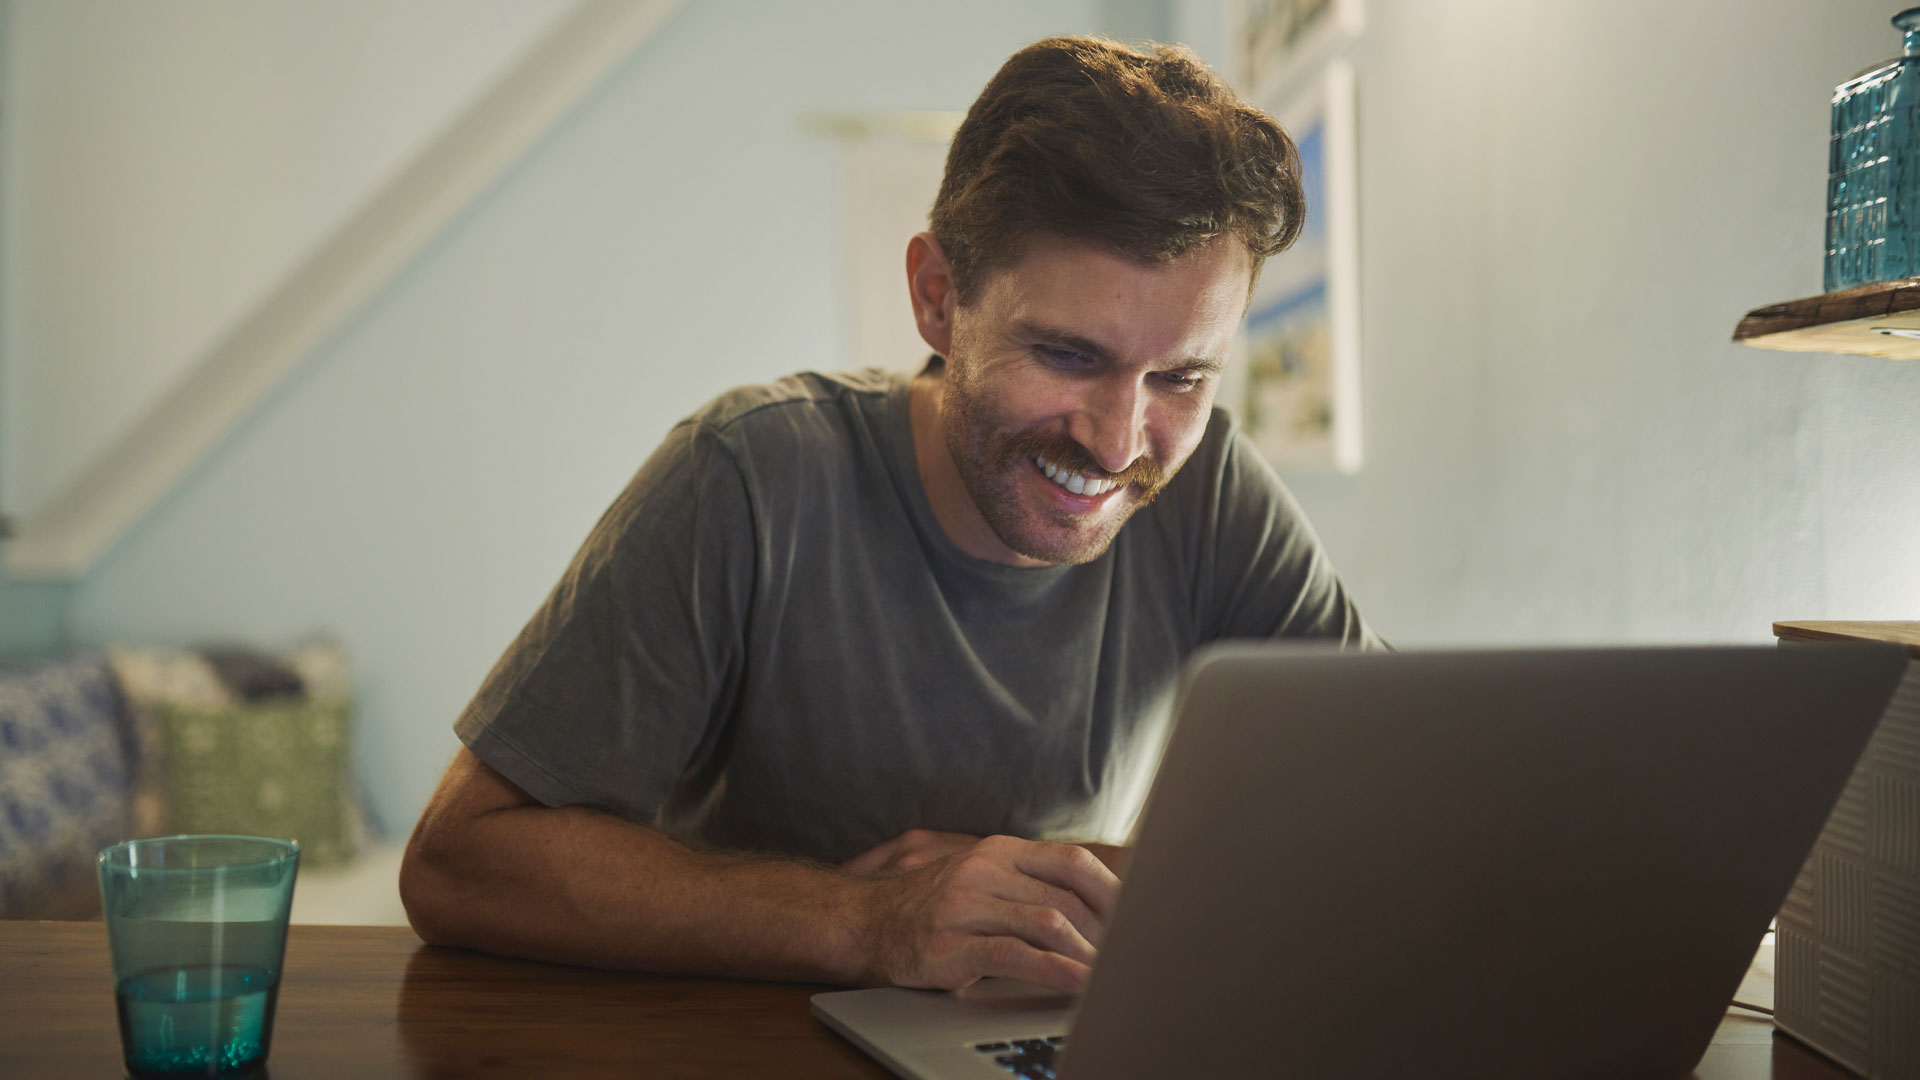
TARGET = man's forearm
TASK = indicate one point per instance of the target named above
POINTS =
(580, 886)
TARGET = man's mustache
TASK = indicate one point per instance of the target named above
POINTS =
(1057, 449)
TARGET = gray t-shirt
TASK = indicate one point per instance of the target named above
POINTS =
(768, 643)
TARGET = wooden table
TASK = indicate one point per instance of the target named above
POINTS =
(370, 1002)
(365, 1002)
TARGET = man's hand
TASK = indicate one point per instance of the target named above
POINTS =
(911, 850)
(1000, 906)
(918, 847)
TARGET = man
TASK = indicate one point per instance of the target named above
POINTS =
(839, 629)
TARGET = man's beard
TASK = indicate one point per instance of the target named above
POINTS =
(990, 464)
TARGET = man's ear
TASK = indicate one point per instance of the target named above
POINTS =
(930, 281)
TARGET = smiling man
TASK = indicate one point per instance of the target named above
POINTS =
(863, 676)
(1082, 380)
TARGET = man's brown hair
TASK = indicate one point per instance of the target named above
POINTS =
(1149, 153)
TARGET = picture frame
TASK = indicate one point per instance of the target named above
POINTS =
(1299, 390)
(891, 165)
(1279, 42)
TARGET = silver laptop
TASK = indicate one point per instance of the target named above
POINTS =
(1486, 864)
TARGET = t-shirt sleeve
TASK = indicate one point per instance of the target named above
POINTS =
(1270, 577)
(620, 682)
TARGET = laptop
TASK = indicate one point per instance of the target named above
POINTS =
(1487, 864)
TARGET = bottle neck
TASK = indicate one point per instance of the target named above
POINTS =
(1908, 23)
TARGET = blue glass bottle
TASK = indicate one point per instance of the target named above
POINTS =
(1873, 170)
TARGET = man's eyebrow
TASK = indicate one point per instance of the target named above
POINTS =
(1206, 365)
(1091, 347)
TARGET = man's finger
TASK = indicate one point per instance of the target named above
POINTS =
(1004, 873)
(1012, 958)
(868, 861)
(1042, 927)
(1021, 889)
(1073, 868)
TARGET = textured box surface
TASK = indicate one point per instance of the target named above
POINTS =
(1848, 979)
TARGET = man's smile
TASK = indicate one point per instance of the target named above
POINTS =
(1079, 493)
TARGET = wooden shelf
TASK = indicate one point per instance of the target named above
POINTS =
(1840, 322)
(1898, 633)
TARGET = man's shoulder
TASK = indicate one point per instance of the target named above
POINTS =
(1205, 469)
(1223, 425)
(769, 408)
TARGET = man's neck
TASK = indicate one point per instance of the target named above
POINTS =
(953, 505)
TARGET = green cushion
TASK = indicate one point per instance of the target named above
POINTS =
(271, 768)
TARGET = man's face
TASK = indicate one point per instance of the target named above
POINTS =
(1079, 381)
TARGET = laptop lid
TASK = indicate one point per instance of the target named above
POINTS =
(1539, 864)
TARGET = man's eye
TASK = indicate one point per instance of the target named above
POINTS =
(1062, 357)
(1182, 381)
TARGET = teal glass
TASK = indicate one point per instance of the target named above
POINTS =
(1873, 170)
(197, 926)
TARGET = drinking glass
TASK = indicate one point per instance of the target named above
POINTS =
(197, 926)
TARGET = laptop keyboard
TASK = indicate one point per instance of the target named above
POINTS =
(1030, 1058)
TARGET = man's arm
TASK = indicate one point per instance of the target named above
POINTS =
(490, 868)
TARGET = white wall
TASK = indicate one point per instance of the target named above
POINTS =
(1565, 208)
(168, 163)
(1636, 475)
(421, 485)
(33, 617)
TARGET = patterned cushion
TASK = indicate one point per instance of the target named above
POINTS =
(274, 768)
(65, 756)
(151, 678)
(277, 767)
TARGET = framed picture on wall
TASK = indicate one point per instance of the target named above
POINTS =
(1300, 393)
(1281, 40)
(891, 164)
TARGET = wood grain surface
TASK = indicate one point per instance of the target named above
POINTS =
(1898, 633)
(363, 1003)
(1840, 322)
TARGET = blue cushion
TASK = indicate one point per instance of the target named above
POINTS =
(66, 758)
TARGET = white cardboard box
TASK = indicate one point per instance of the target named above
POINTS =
(1848, 964)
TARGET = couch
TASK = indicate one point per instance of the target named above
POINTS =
(101, 747)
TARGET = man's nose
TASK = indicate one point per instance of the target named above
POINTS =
(1111, 423)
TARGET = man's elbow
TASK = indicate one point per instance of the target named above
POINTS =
(425, 889)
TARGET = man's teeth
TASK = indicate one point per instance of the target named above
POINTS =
(1074, 482)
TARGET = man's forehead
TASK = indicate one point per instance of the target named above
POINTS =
(1046, 249)
(1095, 293)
